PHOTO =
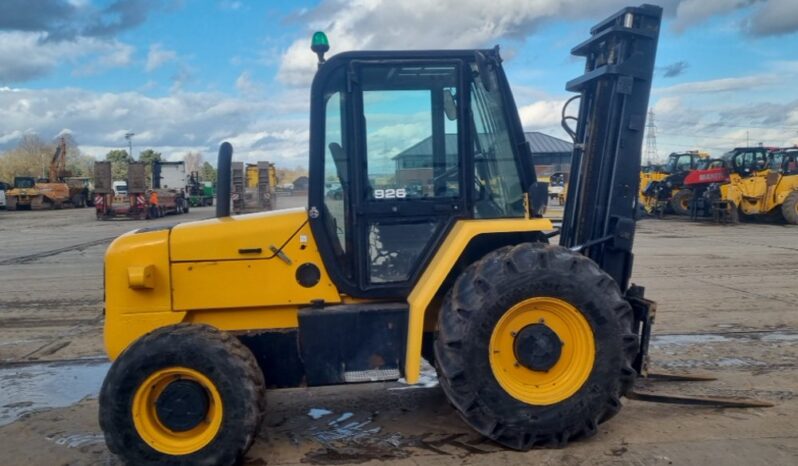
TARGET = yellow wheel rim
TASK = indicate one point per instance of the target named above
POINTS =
(152, 430)
(571, 370)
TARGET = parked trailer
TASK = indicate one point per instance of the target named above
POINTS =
(260, 182)
(130, 203)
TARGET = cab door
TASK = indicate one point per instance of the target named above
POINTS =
(407, 186)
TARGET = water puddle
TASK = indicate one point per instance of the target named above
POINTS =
(24, 389)
(687, 339)
(703, 338)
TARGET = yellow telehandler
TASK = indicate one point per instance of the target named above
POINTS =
(766, 190)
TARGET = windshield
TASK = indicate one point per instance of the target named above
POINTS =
(24, 183)
(498, 181)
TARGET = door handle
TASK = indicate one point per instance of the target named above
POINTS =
(250, 251)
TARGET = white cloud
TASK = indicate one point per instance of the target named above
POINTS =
(543, 114)
(27, 55)
(260, 128)
(425, 24)
(721, 85)
(443, 24)
(775, 17)
(158, 56)
(692, 12)
(246, 85)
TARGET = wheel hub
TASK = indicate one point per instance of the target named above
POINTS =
(537, 347)
(182, 405)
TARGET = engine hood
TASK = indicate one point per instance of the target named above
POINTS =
(224, 238)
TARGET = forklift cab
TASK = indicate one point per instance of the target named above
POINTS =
(416, 141)
(684, 162)
(24, 182)
(746, 161)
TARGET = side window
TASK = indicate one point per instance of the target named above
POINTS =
(498, 182)
(336, 174)
(684, 163)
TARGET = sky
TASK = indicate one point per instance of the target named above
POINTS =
(185, 75)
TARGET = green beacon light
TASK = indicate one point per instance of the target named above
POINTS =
(319, 44)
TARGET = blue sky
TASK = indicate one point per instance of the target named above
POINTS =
(185, 75)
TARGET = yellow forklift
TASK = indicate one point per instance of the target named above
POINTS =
(534, 343)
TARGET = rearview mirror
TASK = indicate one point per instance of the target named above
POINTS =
(449, 106)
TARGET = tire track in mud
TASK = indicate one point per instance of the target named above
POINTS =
(41, 255)
(50, 303)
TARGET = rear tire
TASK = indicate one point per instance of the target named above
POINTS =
(790, 208)
(681, 201)
(491, 289)
(226, 370)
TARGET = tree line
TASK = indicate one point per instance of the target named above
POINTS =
(32, 156)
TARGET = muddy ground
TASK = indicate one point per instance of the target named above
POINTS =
(727, 308)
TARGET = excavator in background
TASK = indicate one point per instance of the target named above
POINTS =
(55, 192)
(662, 188)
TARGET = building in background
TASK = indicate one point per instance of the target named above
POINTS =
(549, 154)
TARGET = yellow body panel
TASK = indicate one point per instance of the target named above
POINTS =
(247, 319)
(131, 311)
(248, 282)
(221, 238)
(252, 176)
(209, 281)
(759, 193)
(445, 258)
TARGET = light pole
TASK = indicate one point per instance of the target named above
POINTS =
(129, 137)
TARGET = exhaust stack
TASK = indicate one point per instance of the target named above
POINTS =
(223, 180)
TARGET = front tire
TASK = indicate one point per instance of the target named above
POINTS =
(681, 201)
(790, 208)
(183, 394)
(497, 349)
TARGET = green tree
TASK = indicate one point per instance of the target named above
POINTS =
(31, 157)
(208, 172)
(148, 156)
(119, 159)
